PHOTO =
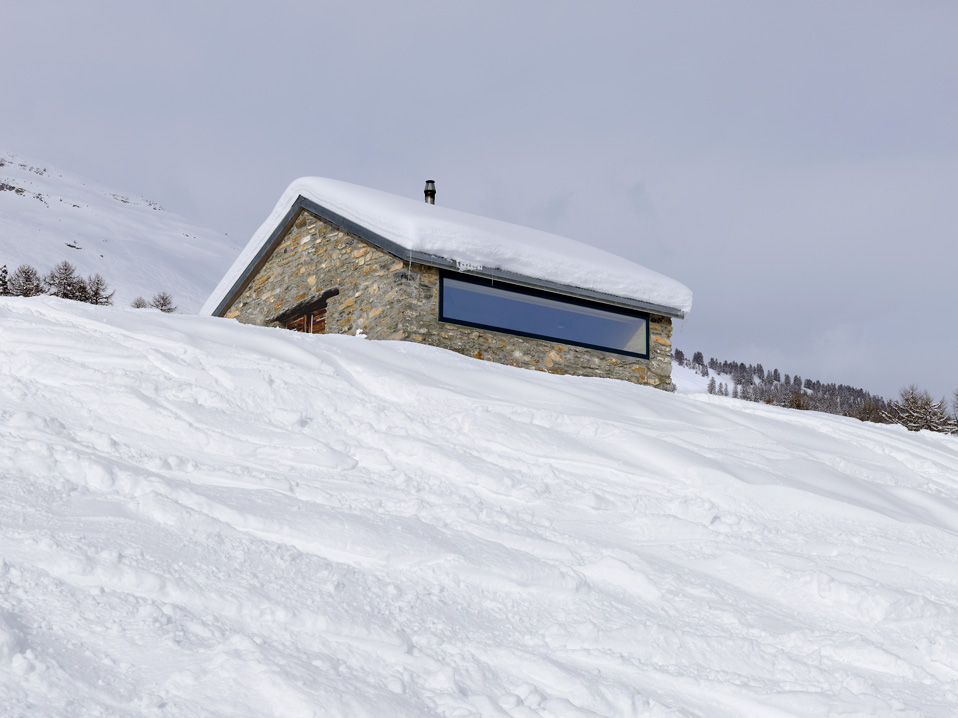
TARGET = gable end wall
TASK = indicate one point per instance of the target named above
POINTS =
(386, 298)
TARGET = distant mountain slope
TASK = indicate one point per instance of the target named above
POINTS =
(48, 215)
(254, 522)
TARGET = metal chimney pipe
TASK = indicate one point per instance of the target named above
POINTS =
(430, 192)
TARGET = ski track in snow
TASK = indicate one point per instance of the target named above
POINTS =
(199, 518)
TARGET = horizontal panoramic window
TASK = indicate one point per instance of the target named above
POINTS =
(505, 308)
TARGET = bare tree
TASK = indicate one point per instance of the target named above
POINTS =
(25, 282)
(164, 302)
(139, 303)
(916, 410)
(62, 281)
(97, 290)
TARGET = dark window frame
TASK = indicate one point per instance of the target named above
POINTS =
(560, 298)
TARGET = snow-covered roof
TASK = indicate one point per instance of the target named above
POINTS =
(445, 237)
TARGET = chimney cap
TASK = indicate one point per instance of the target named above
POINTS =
(430, 192)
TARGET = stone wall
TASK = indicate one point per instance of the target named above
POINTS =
(386, 298)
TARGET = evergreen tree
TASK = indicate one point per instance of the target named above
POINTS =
(869, 410)
(25, 282)
(4, 285)
(756, 384)
(697, 358)
(679, 356)
(712, 386)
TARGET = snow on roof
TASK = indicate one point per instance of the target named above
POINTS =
(468, 240)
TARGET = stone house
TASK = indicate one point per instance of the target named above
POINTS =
(338, 258)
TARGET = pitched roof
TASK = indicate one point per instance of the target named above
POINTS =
(438, 236)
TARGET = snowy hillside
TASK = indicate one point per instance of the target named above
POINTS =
(200, 518)
(48, 215)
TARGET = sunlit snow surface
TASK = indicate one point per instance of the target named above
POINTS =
(48, 215)
(199, 518)
(466, 239)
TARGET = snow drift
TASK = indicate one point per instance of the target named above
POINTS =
(200, 518)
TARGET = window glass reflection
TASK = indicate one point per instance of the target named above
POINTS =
(531, 314)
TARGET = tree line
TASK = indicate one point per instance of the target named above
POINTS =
(915, 409)
(64, 282)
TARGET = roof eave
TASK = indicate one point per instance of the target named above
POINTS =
(432, 260)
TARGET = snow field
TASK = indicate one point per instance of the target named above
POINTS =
(48, 216)
(199, 518)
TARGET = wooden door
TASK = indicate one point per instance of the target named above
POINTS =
(310, 323)
(316, 321)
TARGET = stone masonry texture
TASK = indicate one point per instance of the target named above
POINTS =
(386, 298)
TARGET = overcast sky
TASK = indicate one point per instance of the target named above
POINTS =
(795, 164)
